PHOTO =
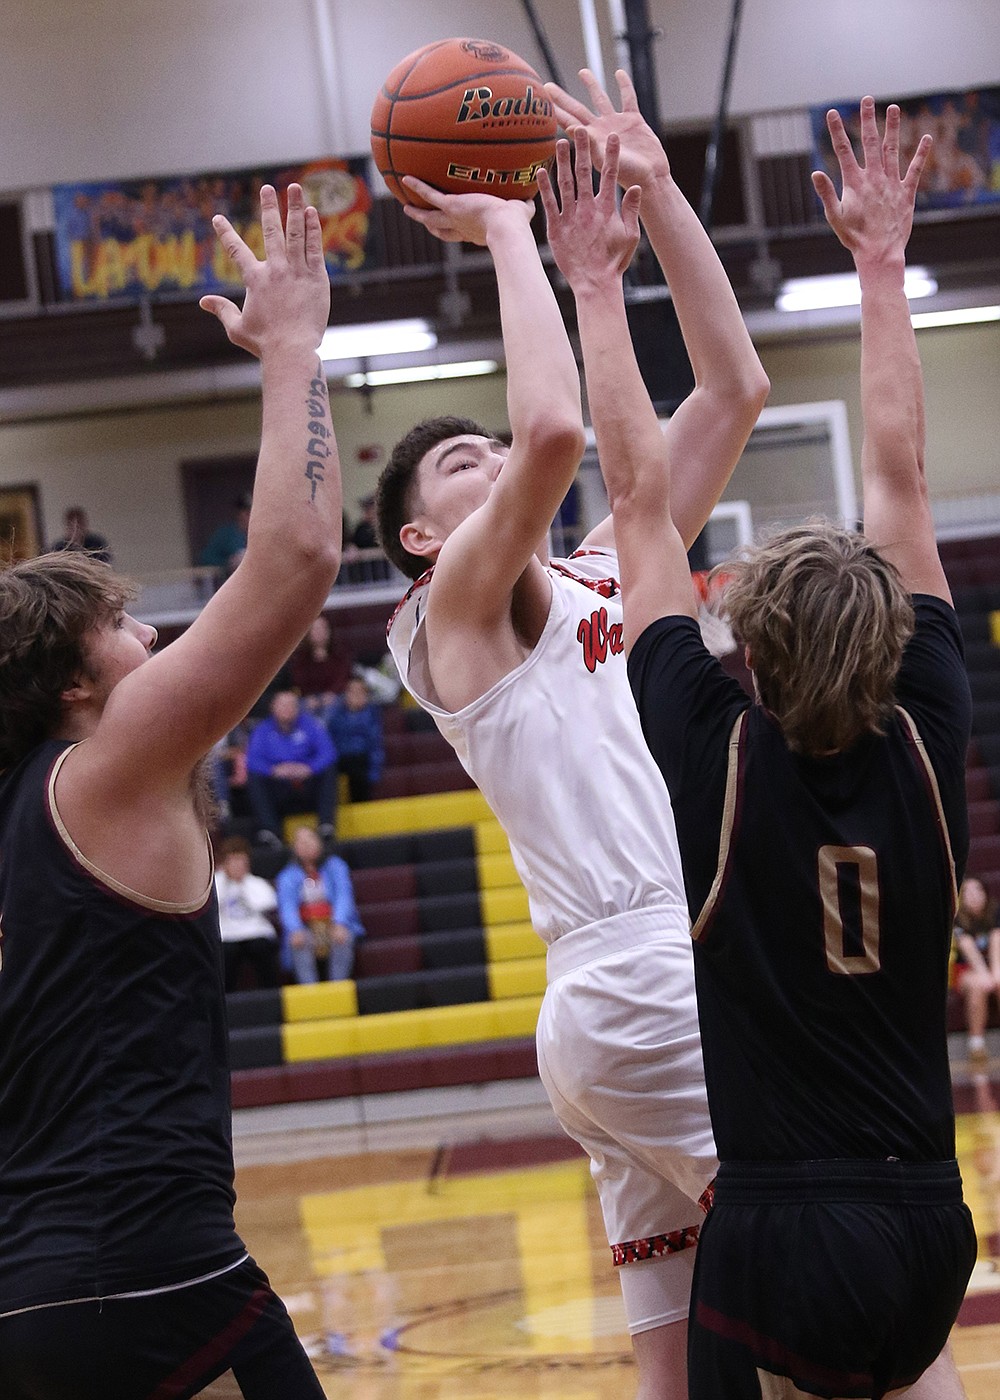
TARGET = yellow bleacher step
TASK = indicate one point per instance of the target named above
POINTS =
(468, 1023)
(505, 906)
(509, 941)
(491, 839)
(319, 1001)
(391, 816)
(519, 977)
(496, 870)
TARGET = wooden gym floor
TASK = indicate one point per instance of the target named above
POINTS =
(449, 1244)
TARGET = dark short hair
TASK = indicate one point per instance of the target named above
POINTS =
(47, 607)
(394, 496)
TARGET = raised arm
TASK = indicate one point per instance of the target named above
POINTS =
(165, 715)
(873, 218)
(592, 244)
(709, 430)
(486, 555)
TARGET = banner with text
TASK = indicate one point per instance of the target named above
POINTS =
(129, 239)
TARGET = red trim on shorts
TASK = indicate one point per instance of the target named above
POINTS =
(195, 1368)
(773, 1356)
(655, 1246)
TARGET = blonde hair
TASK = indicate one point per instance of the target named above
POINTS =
(826, 619)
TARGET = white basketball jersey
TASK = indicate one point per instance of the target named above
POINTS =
(557, 751)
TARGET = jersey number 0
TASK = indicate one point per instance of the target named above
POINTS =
(834, 882)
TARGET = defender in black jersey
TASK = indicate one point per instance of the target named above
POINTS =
(121, 1273)
(820, 831)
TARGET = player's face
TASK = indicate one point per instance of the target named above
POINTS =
(115, 649)
(454, 479)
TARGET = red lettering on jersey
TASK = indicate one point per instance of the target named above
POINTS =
(597, 638)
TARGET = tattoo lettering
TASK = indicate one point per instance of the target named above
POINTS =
(317, 450)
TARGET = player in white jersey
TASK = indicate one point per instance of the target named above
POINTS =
(521, 664)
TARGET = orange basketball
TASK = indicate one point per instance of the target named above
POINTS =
(465, 115)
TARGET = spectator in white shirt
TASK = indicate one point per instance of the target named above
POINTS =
(246, 902)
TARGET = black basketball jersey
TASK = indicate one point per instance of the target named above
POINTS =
(821, 894)
(116, 1168)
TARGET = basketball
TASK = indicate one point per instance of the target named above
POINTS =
(466, 116)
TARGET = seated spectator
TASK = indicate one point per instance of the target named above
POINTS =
(319, 668)
(227, 545)
(245, 901)
(78, 535)
(229, 775)
(354, 724)
(316, 909)
(365, 533)
(977, 959)
(291, 768)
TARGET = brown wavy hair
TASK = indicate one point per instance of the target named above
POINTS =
(395, 496)
(826, 619)
(47, 607)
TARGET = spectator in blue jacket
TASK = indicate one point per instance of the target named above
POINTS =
(316, 909)
(291, 767)
(355, 726)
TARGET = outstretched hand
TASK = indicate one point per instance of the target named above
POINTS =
(288, 293)
(641, 155)
(462, 218)
(874, 214)
(589, 238)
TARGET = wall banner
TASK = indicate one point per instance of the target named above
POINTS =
(128, 239)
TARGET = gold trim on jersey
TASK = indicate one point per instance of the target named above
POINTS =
(145, 901)
(728, 815)
(924, 757)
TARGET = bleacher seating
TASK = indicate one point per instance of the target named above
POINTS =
(973, 570)
(448, 978)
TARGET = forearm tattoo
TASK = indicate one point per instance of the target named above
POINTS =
(320, 434)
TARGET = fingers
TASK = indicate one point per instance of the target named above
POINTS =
(870, 142)
(582, 167)
(315, 257)
(631, 200)
(426, 192)
(548, 197)
(600, 99)
(630, 103)
(564, 173)
(270, 222)
(435, 221)
(225, 310)
(890, 142)
(233, 245)
(823, 186)
(609, 171)
(916, 166)
(295, 223)
(842, 147)
(568, 109)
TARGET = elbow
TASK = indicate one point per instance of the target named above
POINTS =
(752, 391)
(555, 439)
(315, 560)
